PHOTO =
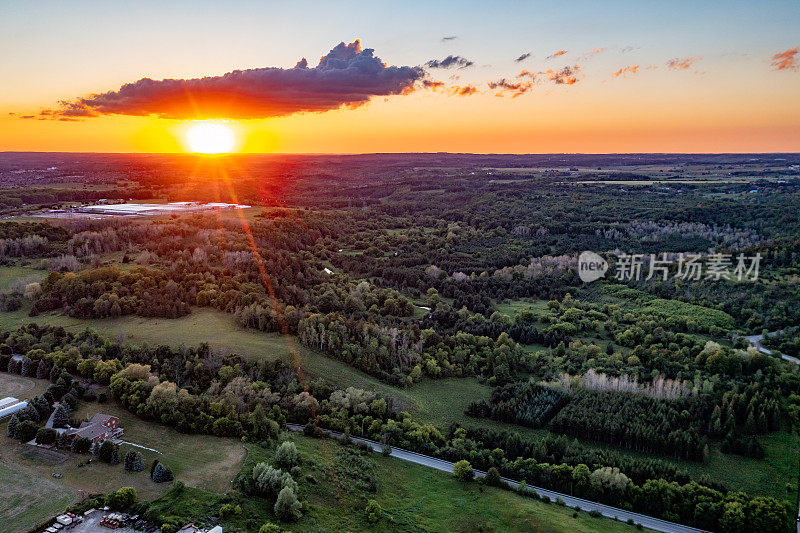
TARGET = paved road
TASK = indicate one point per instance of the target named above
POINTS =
(571, 501)
(755, 340)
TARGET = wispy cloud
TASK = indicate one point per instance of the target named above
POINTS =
(556, 54)
(449, 38)
(566, 76)
(626, 71)
(627, 48)
(786, 60)
(433, 85)
(450, 62)
(514, 88)
(590, 53)
(348, 76)
(684, 63)
(523, 57)
(466, 90)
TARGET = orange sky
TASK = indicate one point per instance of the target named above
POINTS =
(731, 97)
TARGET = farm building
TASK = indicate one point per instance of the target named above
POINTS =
(158, 209)
(9, 406)
(98, 429)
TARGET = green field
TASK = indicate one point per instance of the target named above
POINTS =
(512, 307)
(443, 401)
(414, 499)
(28, 497)
(9, 275)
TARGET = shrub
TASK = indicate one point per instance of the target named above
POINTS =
(271, 481)
(81, 445)
(493, 478)
(109, 452)
(27, 430)
(228, 510)
(134, 462)
(286, 455)
(287, 507)
(269, 527)
(46, 436)
(61, 415)
(161, 473)
(374, 511)
(123, 498)
(462, 471)
(12, 430)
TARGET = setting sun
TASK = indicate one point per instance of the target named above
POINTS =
(210, 138)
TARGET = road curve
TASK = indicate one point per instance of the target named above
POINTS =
(755, 340)
(571, 501)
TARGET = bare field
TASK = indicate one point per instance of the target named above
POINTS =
(20, 387)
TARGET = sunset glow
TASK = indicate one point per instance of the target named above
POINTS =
(615, 82)
(210, 138)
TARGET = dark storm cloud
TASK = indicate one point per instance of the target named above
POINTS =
(449, 62)
(347, 76)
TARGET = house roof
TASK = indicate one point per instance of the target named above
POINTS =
(90, 431)
(100, 418)
(93, 428)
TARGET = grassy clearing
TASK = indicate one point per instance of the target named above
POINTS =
(422, 499)
(512, 307)
(11, 275)
(442, 402)
(27, 498)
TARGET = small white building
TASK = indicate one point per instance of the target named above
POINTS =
(8, 400)
(9, 406)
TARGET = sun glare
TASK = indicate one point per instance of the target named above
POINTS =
(210, 138)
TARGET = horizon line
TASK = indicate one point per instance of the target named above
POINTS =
(234, 154)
